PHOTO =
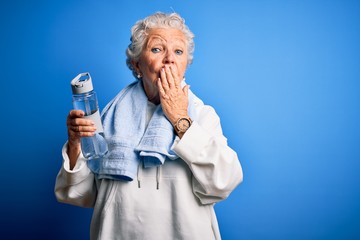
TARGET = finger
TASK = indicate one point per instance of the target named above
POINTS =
(87, 134)
(75, 136)
(83, 129)
(76, 113)
(77, 132)
(79, 122)
(186, 90)
(169, 76)
(161, 89)
(175, 76)
(164, 80)
(80, 130)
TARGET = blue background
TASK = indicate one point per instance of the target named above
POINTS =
(282, 75)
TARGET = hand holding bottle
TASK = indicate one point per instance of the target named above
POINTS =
(77, 127)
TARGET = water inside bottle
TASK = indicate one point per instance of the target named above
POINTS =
(88, 107)
(94, 147)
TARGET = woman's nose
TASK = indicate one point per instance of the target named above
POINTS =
(169, 57)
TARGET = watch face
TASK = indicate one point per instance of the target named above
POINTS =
(183, 124)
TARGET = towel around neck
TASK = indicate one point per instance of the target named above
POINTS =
(131, 140)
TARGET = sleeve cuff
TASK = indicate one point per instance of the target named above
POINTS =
(79, 172)
(192, 143)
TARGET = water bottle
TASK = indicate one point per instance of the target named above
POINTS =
(84, 98)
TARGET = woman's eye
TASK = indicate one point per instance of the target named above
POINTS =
(155, 50)
(179, 52)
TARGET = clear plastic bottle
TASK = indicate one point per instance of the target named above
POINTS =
(84, 98)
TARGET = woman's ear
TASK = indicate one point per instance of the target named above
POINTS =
(135, 66)
(137, 69)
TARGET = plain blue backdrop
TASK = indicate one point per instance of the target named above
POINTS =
(283, 76)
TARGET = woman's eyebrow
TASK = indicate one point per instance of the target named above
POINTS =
(156, 39)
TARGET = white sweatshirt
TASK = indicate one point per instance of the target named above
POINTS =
(174, 201)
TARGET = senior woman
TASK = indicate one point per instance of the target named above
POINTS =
(168, 161)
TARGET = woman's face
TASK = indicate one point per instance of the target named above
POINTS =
(164, 46)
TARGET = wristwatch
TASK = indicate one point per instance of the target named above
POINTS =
(183, 124)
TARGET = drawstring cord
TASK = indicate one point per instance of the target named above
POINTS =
(158, 172)
(139, 175)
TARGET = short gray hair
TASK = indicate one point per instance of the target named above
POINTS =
(158, 20)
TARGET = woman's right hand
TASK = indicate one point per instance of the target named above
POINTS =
(77, 127)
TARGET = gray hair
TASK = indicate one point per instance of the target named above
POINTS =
(158, 20)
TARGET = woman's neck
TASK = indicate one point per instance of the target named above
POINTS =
(152, 93)
(155, 100)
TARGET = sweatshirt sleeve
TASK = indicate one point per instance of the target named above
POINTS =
(215, 166)
(77, 186)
